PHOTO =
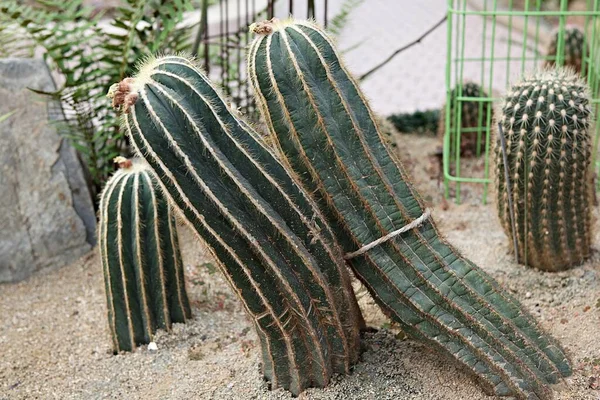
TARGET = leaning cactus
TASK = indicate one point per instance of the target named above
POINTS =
(267, 236)
(139, 248)
(473, 120)
(326, 131)
(573, 50)
(546, 125)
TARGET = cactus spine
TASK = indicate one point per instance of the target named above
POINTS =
(324, 127)
(546, 124)
(142, 265)
(276, 254)
(573, 50)
(473, 120)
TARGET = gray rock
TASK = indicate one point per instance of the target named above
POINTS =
(47, 217)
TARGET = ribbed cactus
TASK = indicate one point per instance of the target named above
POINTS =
(267, 236)
(142, 265)
(473, 120)
(573, 50)
(326, 131)
(546, 124)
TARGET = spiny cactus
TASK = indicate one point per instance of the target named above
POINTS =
(326, 131)
(473, 120)
(142, 265)
(546, 124)
(268, 238)
(573, 50)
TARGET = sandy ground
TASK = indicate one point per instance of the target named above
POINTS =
(54, 341)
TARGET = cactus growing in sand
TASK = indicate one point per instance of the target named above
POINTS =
(268, 238)
(142, 265)
(573, 50)
(323, 126)
(546, 125)
(473, 120)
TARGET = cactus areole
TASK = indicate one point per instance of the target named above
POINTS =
(322, 125)
(265, 233)
(546, 124)
(142, 265)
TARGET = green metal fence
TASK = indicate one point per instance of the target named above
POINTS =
(492, 43)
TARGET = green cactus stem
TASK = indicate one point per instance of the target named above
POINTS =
(546, 124)
(268, 238)
(141, 261)
(323, 126)
(473, 120)
(573, 50)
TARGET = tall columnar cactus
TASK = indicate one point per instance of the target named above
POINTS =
(269, 239)
(473, 120)
(546, 124)
(573, 50)
(326, 131)
(142, 265)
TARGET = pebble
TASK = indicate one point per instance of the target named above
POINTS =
(152, 346)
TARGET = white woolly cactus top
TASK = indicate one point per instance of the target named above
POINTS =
(275, 24)
(130, 165)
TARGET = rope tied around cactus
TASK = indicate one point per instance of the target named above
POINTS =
(414, 224)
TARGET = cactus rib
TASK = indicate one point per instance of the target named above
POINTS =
(546, 122)
(322, 125)
(278, 256)
(143, 271)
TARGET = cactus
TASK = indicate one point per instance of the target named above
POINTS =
(573, 50)
(142, 265)
(323, 126)
(268, 238)
(546, 124)
(473, 120)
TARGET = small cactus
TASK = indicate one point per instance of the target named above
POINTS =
(142, 265)
(573, 50)
(325, 129)
(266, 235)
(546, 124)
(473, 120)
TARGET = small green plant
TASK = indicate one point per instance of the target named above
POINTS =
(573, 50)
(141, 261)
(89, 56)
(417, 122)
(546, 121)
(325, 130)
(470, 125)
(267, 237)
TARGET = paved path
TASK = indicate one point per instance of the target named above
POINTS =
(415, 79)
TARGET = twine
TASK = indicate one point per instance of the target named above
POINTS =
(414, 224)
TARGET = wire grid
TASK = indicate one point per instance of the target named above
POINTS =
(493, 45)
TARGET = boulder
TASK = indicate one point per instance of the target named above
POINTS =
(47, 217)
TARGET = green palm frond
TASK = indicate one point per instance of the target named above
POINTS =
(90, 54)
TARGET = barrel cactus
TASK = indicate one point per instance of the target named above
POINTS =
(267, 236)
(473, 120)
(546, 125)
(142, 265)
(573, 50)
(325, 129)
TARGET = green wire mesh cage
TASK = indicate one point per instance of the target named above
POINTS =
(491, 43)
